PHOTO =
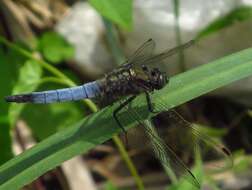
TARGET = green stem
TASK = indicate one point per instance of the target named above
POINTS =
(181, 56)
(29, 55)
(129, 162)
(53, 80)
(112, 37)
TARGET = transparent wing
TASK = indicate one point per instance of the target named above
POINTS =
(188, 136)
(164, 153)
(162, 56)
(168, 158)
(144, 52)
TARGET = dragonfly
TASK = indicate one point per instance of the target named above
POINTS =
(137, 75)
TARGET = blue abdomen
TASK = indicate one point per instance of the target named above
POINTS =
(88, 90)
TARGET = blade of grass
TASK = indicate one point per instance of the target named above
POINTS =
(129, 162)
(101, 126)
(119, 12)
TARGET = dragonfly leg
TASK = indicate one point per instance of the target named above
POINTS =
(149, 103)
(125, 103)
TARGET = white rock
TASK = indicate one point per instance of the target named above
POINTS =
(83, 27)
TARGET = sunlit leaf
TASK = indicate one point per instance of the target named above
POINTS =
(28, 80)
(10, 63)
(55, 48)
(57, 117)
(119, 12)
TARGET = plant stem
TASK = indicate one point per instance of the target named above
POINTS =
(129, 162)
(181, 57)
(112, 37)
(53, 80)
(29, 55)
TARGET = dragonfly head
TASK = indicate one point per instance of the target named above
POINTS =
(158, 79)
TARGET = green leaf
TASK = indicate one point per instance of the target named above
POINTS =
(5, 139)
(5, 143)
(55, 48)
(99, 127)
(10, 63)
(119, 12)
(236, 15)
(28, 80)
(57, 117)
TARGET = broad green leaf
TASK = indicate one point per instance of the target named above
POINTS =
(10, 63)
(5, 140)
(119, 12)
(28, 80)
(236, 15)
(5, 143)
(99, 127)
(57, 117)
(55, 48)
